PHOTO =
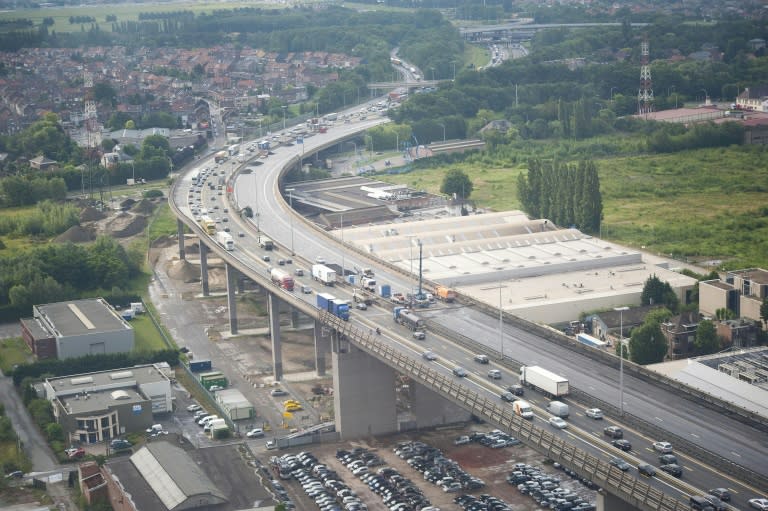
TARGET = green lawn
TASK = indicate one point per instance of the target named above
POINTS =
(696, 205)
(13, 352)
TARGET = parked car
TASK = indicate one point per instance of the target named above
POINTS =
(624, 445)
(255, 433)
(613, 432)
(594, 413)
(462, 440)
(193, 407)
(75, 452)
(662, 447)
(119, 444)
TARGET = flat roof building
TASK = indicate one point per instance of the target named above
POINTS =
(76, 328)
(100, 406)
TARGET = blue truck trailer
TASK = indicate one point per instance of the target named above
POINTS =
(335, 306)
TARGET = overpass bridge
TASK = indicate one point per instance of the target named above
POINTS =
(364, 363)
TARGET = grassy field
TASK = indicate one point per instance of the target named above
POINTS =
(697, 206)
(13, 351)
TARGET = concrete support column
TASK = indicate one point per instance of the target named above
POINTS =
(368, 387)
(240, 284)
(607, 502)
(204, 268)
(431, 409)
(294, 318)
(322, 347)
(231, 300)
(273, 304)
(180, 233)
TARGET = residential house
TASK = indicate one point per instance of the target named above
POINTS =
(741, 291)
(739, 333)
(680, 332)
(43, 163)
(753, 98)
(608, 324)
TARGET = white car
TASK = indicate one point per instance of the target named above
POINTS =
(594, 413)
(320, 260)
(277, 392)
(558, 423)
(662, 447)
(194, 407)
(255, 433)
(761, 504)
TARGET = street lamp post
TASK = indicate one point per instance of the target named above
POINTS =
(343, 274)
(285, 107)
(290, 199)
(621, 357)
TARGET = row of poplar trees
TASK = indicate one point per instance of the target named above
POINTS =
(568, 195)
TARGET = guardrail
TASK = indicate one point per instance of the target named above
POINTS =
(685, 446)
(643, 426)
(617, 482)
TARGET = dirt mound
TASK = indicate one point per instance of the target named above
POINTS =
(143, 207)
(163, 242)
(183, 270)
(76, 234)
(90, 214)
(124, 225)
(127, 204)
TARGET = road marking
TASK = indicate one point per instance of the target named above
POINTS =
(736, 454)
(659, 419)
(695, 435)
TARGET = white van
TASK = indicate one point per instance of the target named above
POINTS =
(155, 428)
(559, 409)
(523, 409)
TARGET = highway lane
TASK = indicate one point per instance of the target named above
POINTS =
(584, 373)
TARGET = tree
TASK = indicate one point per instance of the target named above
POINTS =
(647, 344)
(706, 341)
(458, 183)
(656, 292)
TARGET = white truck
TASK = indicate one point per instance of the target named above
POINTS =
(225, 240)
(368, 284)
(551, 384)
(323, 274)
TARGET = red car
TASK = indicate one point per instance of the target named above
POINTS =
(75, 452)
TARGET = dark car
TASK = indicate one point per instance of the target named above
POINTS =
(646, 469)
(721, 493)
(673, 469)
(624, 445)
(619, 463)
(614, 432)
(667, 459)
(516, 390)
(507, 396)
(716, 503)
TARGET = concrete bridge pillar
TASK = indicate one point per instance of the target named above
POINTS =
(607, 502)
(231, 300)
(431, 409)
(367, 386)
(204, 268)
(273, 305)
(322, 346)
(180, 234)
(294, 318)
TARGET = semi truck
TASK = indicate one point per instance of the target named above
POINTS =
(546, 381)
(220, 156)
(445, 294)
(590, 341)
(407, 318)
(281, 278)
(335, 306)
(200, 365)
(362, 295)
(323, 274)
(266, 243)
(208, 225)
(368, 283)
(225, 240)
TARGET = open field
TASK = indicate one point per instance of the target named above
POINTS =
(13, 351)
(698, 205)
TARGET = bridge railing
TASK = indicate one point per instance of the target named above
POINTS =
(617, 482)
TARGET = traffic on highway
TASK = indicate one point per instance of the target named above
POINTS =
(213, 194)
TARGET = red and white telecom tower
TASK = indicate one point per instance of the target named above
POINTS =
(645, 94)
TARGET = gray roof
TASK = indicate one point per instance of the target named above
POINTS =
(80, 317)
(175, 477)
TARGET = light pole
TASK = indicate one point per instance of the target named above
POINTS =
(290, 199)
(621, 357)
(443, 126)
(343, 274)
(706, 96)
(285, 107)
